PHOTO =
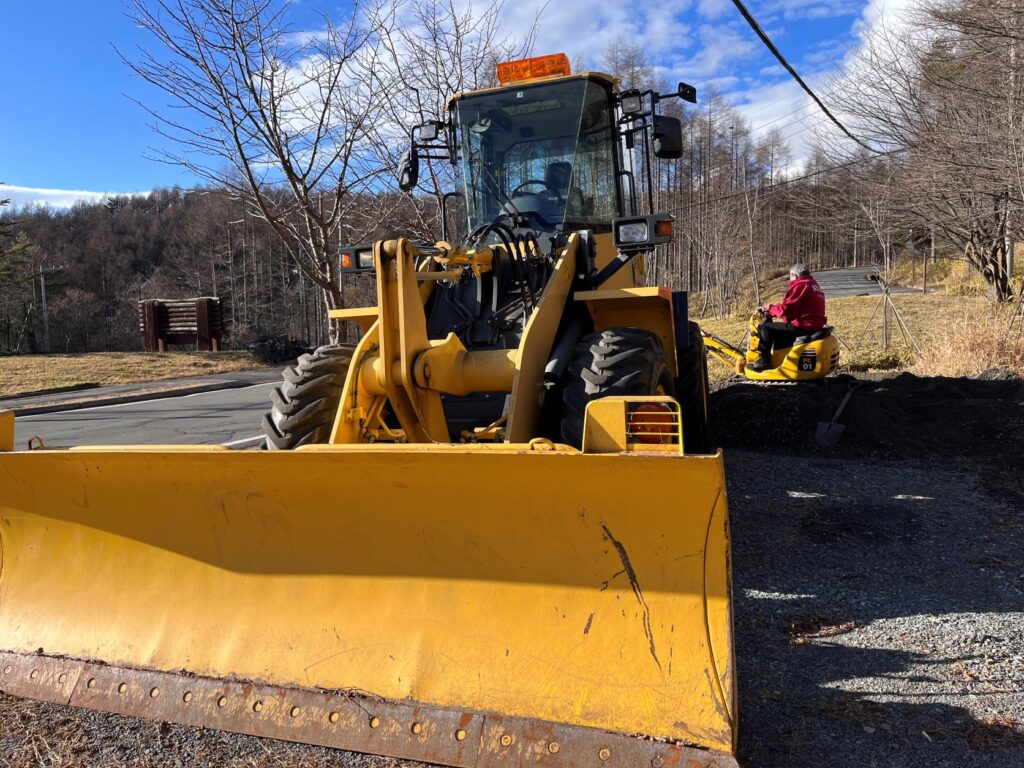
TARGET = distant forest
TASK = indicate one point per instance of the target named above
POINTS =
(95, 262)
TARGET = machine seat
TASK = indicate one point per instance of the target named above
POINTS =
(824, 333)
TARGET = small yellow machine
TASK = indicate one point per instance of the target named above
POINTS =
(811, 358)
(492, 533)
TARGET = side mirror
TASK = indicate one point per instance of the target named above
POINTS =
(687, 93)
(668, 137)
(409, 170)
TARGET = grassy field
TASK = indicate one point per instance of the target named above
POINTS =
(957, 335)
(29, 373)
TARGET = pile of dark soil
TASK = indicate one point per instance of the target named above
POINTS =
(889, 417)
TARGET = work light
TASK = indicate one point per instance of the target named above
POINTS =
(633, 232)
(631, 102)
(641, 233)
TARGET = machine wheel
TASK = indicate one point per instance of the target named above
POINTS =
(304, 406)
(692, 393)
(616, 361)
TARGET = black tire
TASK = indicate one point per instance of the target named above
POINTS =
(304, 406)
(616, 361)
(692, 393)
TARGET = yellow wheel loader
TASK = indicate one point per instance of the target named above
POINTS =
(492, 533)
(811, 357)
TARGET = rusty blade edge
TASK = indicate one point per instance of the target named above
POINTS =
(347, 720)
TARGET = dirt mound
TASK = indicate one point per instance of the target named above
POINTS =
(893, 417)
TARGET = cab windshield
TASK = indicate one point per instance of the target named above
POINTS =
(545, 152)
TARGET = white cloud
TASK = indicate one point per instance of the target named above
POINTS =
(816, 9)
(889, 15)
(713, 9)
(307, 36)
(54, 198)
(720, 46)
(583, 26)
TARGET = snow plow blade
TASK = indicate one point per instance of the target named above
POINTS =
(479, 605)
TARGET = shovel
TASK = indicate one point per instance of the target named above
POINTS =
(829, 433)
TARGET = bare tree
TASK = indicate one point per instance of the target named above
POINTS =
(280, 119)
(630, 64)
(937, 98)
(426, 53)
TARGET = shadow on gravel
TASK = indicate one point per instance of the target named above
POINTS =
(878, 614)
(977, 421)
(879, 584)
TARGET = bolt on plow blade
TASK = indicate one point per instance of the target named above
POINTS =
(463, 605)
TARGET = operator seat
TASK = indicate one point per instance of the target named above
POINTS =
(558, 177)
(823, 333)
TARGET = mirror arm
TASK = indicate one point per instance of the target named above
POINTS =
(628, 175)
(444, 213)
(648, 161)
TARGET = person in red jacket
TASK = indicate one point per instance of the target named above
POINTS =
(802, 311)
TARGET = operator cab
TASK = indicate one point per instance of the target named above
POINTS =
(548, 153)
(544, 153)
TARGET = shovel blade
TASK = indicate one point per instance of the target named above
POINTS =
(404, 583)
(828, 433)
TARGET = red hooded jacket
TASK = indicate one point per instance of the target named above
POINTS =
(803, 305)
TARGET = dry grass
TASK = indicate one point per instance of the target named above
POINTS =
(967, 346)
(951, 273)
(958, 335)
(28, 373)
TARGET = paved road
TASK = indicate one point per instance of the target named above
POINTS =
(842, 283)
(225, 416)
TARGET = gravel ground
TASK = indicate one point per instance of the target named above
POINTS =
(879, 609)
(879, 594)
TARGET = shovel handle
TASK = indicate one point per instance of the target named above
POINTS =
(849, 393)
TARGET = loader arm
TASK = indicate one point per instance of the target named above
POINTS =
(395, 364)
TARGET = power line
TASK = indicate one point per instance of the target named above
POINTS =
(784, 182)
(763, 107)
(789, 68)
(804, 127)
(761, 127)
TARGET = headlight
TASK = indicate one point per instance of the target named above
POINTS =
(642, 233)
(365, 257)
(634, 232)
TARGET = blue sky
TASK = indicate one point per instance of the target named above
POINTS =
(70, 130)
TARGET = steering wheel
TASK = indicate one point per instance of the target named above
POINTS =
(542, 183)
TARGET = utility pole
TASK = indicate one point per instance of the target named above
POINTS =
(732, 139)
(46, 311)
(41, 274)
(885, 306)
(924, 286)
(1008, 245)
